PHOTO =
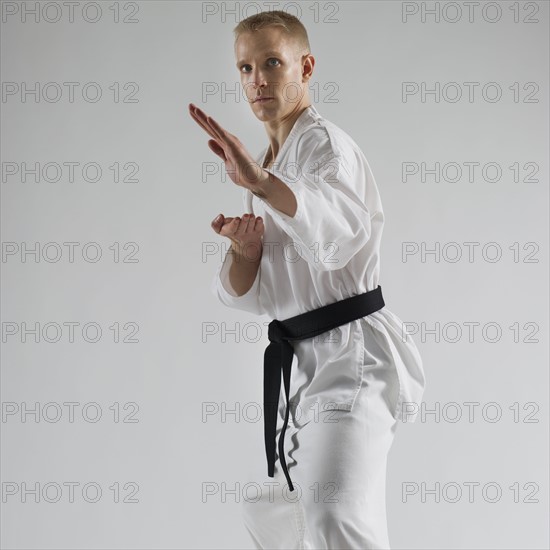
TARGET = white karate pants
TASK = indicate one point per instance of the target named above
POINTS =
(337, 462)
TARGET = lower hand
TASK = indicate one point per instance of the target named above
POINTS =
(245, 233)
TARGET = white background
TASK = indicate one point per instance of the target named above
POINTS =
(364, 53)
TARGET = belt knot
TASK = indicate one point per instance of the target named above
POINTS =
(275, 332)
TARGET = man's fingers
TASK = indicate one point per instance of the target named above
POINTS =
(217, 223)
(251, 223)
(237, 226)
(204, 126)
(244, 224)
(201, 121)
(206, 122)
(214, 146)
(217, 128)
(229, 227)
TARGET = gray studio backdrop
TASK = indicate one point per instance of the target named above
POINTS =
(130, 395)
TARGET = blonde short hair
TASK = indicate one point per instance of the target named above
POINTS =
(292, 25)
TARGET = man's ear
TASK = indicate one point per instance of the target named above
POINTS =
(308, 62)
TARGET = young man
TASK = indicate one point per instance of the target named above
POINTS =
(306, 253)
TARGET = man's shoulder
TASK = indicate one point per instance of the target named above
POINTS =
(323, 140)
(327, 138)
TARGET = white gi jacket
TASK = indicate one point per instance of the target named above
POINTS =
(330, 250)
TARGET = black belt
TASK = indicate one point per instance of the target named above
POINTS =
(279, 353)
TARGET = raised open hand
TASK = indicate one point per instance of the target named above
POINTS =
(239, 165)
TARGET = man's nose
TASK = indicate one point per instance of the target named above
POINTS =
(258, 78)
(251, 88)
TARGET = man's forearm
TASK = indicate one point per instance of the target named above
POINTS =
(244, 268)
(277, 193)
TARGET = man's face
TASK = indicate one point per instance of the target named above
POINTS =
(270, 66)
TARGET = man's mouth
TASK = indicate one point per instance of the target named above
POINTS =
(262, 99)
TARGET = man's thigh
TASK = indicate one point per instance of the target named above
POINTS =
(345, 447)
(337, 462)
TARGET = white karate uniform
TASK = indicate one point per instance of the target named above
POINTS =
(363, 374)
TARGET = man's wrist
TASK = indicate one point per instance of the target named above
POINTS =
(249, 252)
(263, 186)
(277, 193)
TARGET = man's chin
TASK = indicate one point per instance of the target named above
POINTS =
(263, 114)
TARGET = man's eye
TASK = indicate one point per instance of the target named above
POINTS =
(277, 62)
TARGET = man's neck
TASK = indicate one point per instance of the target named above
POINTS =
(278, 131)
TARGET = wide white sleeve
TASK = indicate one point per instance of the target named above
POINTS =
(332, 222)
(222, 289)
